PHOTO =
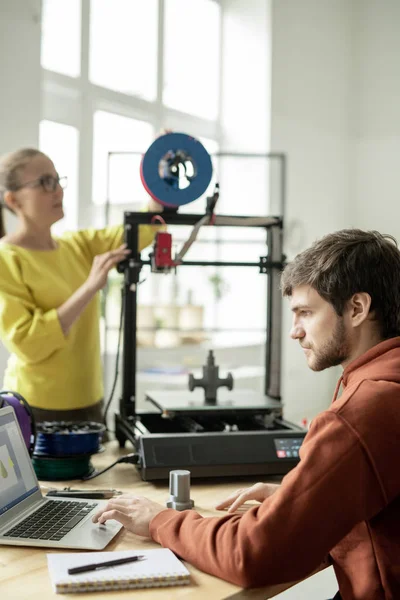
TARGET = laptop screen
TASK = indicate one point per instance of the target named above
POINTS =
(17, 478)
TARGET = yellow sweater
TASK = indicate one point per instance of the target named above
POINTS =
(52, 370)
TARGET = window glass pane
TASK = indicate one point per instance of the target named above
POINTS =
(192, 56)
(61, 36)
(61, 143)
(123, 46)
(242, 298)
(114, 133)
(212, 146)
(241, 291)
(244, 185)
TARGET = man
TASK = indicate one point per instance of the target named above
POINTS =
(343, 498)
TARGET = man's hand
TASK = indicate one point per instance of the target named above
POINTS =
(258, 491)
(134, 512)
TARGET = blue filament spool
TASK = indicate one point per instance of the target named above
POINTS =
(171, 159)
(66, 438)
(63, 449)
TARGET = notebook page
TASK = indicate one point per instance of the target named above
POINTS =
(159, 567)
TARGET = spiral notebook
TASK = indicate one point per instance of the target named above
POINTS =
(159, 568)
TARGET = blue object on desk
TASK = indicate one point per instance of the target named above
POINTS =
(66, 438)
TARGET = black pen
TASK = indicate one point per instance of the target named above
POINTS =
(103, 565)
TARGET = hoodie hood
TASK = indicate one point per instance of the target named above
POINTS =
(381, 362)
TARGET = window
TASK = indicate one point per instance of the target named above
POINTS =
(241, 291)
(211, 146)
(114, 133)
(123, 46)
(244, 185)
(61, 36)
(192, 56)
(114, 106)
(60, 143)
(241, 307)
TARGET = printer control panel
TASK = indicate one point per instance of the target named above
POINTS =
(287, 447)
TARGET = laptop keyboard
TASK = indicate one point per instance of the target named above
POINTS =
(52, 521)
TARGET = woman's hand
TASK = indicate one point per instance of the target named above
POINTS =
(134, 512)
(258, 491)
(154, 206)
(72, 308)
(102, 265)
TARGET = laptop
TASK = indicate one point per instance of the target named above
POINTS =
(27, 518)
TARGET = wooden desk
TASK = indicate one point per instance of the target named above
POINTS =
(24, 574)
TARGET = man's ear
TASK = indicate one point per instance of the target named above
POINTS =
(358, 308)
(10, 201)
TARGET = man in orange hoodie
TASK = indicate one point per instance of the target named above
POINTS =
(343, 498)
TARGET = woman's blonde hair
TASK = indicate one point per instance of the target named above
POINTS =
(11, 167)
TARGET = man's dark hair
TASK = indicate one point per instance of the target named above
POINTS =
(347, 262)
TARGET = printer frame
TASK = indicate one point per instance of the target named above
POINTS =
(258, 434)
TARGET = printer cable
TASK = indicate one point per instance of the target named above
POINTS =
(132, 459)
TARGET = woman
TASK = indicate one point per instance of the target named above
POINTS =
(49, 305)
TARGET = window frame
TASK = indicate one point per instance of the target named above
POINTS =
(74, 100)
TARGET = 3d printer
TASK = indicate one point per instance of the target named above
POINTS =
(210, 429)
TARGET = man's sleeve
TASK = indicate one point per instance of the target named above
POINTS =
(333, 488)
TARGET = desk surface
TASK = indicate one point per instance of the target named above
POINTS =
(24, 574)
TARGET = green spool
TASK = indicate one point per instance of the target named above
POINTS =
(61, 468)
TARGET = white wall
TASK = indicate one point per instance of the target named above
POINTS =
(376, 115)
(312, 59)
(246, 60)
(19, 73)
(335, 112)
(20, 97)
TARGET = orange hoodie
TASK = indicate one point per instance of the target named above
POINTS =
(343, 498)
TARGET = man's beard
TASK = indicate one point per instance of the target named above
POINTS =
(333, 352)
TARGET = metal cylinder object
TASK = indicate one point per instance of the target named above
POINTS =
(179, 490)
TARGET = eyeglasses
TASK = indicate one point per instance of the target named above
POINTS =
(48, 182)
